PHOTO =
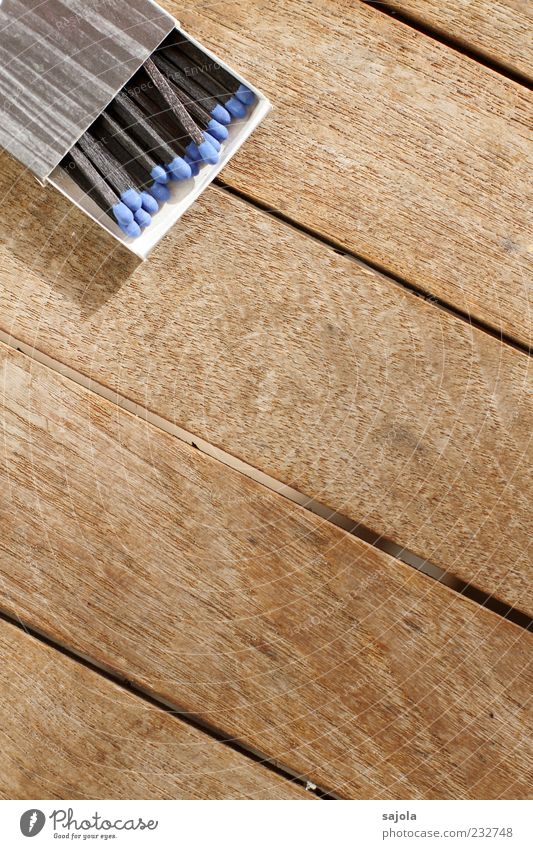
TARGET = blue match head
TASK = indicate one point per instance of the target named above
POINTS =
(191, 153)
(142, 218)
(218, 131)
(245, 95)
(179, 169)
(123, 215)
(133, 230)
(195, 168)
(208, 153)
(159, 174)
(212, 141)
(132, 199)
(149, 203)
(220, 114)
(160, 192)
(204, 152)
(235, 107)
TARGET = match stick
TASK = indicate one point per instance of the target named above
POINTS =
(91, 182)
(138, 164)
(194, 105)
(144, 131)
(158, 189)
(153, 194)
(112, 171)
(146, 161)
(192, 89)
(155, 191)
(221, 76)
(166, 93)
(162, 120)
(231, 103)
(192, 150)
(164, 90)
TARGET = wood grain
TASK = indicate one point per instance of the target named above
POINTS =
(308, 366)
(500, 29)
(229, 602)
(69, 733)
(396, 147)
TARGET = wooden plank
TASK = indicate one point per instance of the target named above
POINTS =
(396, 147)
(227, 600)
(308, 366)
(69, 733)
(499, 29)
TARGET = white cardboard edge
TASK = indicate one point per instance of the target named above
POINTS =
(184, 193)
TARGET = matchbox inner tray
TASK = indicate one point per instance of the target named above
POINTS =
(61, 63)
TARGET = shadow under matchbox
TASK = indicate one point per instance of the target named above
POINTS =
(119, 109)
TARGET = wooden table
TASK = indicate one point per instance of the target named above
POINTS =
(265, 498)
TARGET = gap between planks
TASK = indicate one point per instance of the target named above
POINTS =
(356, 529)
(160, 704)
(391, 277)
(450, 41)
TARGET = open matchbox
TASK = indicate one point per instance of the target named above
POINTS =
(61, 63)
